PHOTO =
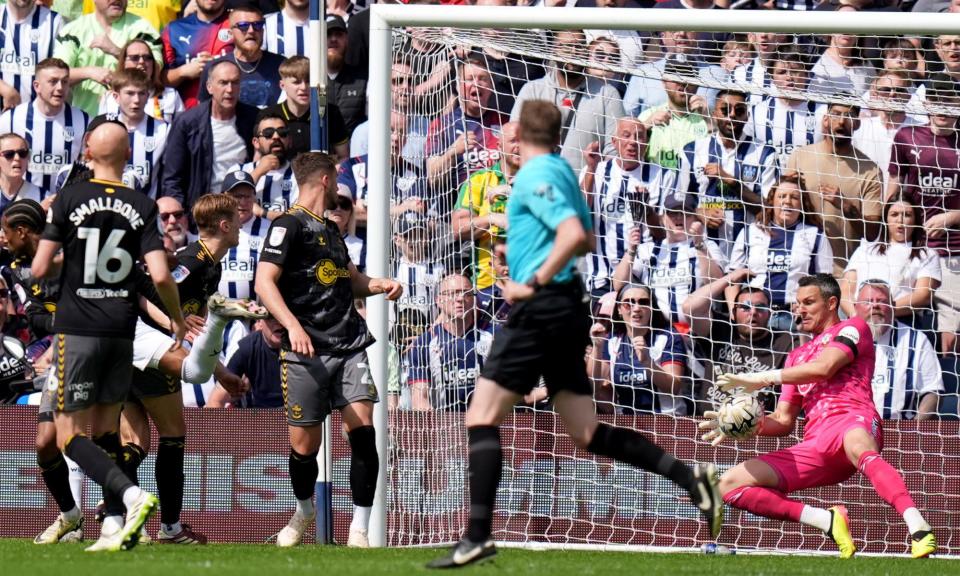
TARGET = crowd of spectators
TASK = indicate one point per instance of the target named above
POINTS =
(714, 180)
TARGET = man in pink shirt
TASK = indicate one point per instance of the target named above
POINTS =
(829, 379)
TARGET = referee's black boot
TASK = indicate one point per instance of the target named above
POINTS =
(465, 552)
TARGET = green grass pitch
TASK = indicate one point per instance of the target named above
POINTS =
(23, 558)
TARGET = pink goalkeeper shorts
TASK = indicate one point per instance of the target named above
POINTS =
(819, 460)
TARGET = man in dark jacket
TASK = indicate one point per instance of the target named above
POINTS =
(205, 141)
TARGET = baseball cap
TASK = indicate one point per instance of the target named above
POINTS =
(237, 178)
(681, 203)
(335, 22)
(409, 222)
(102, 119)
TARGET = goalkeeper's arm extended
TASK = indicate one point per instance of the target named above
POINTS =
(780, 423)
(830, 361)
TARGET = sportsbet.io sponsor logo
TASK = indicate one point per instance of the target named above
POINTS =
(328, 272)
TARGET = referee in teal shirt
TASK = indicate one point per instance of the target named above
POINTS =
(546, 334)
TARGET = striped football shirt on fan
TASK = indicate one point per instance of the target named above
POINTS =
(786, 125)
(240, 263)
(147, 142)
(54, 142)
(277, 189)
(284, 36)
(23, 44)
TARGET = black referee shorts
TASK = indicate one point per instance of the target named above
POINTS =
(544, 336)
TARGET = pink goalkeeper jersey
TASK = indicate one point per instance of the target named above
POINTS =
(849, 391)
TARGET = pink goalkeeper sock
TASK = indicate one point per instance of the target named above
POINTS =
(886, 481)
(765, 502)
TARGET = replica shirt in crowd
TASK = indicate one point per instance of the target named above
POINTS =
(448, 364)
(54, 141)
(23, 44)
(315, 281)
(240, 262)
(633, 381)
(928, 168)
(846, 393)
(186, 37)
(104, 228)
(444, 131)
(284, 35)
(725, 351)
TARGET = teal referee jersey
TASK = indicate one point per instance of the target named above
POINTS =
(545, 193)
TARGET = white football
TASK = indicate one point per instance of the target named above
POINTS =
(740, 415)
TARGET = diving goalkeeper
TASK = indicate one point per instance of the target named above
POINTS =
(829, 379)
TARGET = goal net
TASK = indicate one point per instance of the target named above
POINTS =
(720, 166)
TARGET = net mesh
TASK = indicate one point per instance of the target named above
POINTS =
(757, 159)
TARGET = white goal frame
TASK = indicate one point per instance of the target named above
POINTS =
(384, 18)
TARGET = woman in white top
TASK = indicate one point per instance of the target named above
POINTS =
(785, 244)
(898, 258)
(842, 67)
(164, 102)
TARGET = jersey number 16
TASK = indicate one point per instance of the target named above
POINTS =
(96, 259)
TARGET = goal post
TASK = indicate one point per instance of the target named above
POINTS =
(630, 508)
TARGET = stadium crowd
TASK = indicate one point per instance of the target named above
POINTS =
(709, 202)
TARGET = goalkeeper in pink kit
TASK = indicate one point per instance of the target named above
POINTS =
(829, 379)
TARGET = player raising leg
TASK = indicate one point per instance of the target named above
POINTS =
(102, 227)
(829, 378)
(546, 335)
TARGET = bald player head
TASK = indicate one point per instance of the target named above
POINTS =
(108, 149)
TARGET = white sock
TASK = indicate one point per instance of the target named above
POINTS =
(361, 518)
(305, 507)
(130, 496)
(76, 481)
(816, 517)
(111, 525)
(72, 515)
(171, 529)
(199, 364)
(915, 521)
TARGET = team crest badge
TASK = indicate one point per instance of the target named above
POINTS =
(749, 173)
(811, 123)
(276, 235)
(296, 412)
(150, 144)
(68, 133)
(223, 35)
(286, 185)
(35, 35)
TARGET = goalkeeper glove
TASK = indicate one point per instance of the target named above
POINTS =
(749, 382)
(711, 425)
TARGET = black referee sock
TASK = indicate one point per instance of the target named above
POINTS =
(364, 465)
(303, 474)
(131, 456)
(633, 448)
(98, 466)
(170, 478)
(486, 463)
(56, 476)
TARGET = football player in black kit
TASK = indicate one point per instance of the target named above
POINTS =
(156, 383)
(103, 227)
(23, 223)
(307, 282)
